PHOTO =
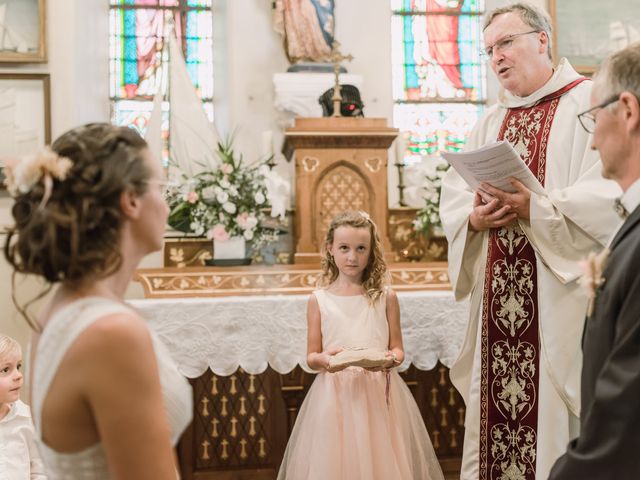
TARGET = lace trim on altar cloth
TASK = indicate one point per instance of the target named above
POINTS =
(224, 334)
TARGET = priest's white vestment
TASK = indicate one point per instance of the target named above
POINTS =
(575, 217)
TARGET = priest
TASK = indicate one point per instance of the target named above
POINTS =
(516, 254)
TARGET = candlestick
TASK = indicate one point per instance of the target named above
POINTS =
(400, 151)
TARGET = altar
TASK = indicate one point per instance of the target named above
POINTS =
(240, 334)
(245, 356)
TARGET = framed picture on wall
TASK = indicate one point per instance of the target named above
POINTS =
(586, 32)
(25, 114)
(23, 31)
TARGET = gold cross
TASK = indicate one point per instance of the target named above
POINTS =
(336, 58)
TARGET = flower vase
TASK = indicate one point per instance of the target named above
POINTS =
(230, 252)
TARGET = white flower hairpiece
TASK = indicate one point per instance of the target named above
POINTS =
(22, 175)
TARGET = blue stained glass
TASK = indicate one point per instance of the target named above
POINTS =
(474, 6)
(192, 68)
(192, 51)
(130, 73)
(191, 57)
(191, 30)
(130, 53)
(411, 77)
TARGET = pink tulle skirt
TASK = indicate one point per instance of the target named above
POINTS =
(345, 430)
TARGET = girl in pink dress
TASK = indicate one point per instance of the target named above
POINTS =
(357, 423)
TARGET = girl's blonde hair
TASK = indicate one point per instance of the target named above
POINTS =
(8, 346)
(374, 276)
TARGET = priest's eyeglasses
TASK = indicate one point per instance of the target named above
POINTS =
(588, 118)
(503, 44)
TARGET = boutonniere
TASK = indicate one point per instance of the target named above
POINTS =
(592, 278)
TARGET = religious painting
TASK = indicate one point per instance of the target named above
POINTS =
(25, 119)
(22, 31)
(586, 32)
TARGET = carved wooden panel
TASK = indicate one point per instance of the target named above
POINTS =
(409, 245)
(242, 422)
(237, 427)
(341, 188)
(187, 252)
(441, 407)
(341, 164)
(273, 280)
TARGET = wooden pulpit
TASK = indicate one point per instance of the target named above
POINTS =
(340, 164)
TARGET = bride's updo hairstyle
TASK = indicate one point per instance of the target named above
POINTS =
(67, 203)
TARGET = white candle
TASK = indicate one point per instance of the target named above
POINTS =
(267, 143)
(400, 148)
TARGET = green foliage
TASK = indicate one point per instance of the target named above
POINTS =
(428, 217)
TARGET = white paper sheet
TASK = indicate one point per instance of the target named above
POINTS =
(494, 163)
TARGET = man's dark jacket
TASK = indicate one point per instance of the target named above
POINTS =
(609, 443)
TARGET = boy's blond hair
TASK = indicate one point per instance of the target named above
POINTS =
(8, 345)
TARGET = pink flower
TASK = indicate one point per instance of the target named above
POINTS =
(226, 168)
(242, 220)
(218, 233)
(191, 197)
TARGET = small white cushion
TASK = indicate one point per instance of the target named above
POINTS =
(359, 357)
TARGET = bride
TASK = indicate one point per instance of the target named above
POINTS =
(107, 400)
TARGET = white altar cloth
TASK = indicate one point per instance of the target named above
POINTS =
(253, 332)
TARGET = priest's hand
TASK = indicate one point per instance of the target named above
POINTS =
(488, 212)
(519, 202)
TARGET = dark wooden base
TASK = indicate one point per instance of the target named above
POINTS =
(242, 422)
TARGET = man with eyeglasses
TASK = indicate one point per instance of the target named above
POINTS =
(516, 254)
(609, 443)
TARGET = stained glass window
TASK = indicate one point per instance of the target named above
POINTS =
(439, 80)
(138, 63)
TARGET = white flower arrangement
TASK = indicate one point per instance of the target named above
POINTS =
(592, 279)
(224, 203)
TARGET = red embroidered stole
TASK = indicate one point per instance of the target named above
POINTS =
(510, 346)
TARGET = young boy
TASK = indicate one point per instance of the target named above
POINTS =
(19, 457)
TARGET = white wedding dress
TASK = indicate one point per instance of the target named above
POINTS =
(60, 333)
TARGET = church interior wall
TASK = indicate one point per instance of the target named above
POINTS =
(247, 53)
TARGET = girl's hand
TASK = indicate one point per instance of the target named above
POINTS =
(392, 361)
(326, 357)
